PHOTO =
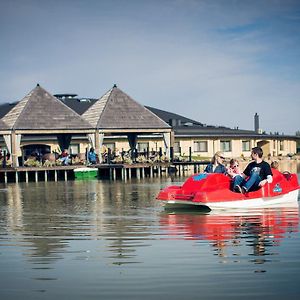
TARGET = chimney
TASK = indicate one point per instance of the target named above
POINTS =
(172, 122)
(256, 123)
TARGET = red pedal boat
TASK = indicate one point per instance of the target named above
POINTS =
(213, 191)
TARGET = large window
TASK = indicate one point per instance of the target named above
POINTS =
(225, 146)
(200, 146)
(246, 145)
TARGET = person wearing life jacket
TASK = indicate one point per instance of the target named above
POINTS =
(256, 175)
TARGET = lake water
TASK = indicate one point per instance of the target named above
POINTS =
(112, 240)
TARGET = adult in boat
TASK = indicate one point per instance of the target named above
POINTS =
(216, 164)
(257, 173)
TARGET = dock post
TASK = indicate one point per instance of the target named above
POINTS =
(129, 173)
(151, 171)
(138, 173)
(159, 171)
(5, 177)
(26, 176)
(114, 174)
(36, 176)
(55, 175)
(124, 177)
(17, 177)
(66, 175)
(143, 172)
(46, 178)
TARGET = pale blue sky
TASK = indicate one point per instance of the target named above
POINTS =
(217, 62)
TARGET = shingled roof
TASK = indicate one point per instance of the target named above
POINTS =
(3, 126)
(116, 110)
(40, 110)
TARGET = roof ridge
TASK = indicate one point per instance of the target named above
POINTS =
(19, 104)
(105, 105)
(52, 99)
(89, 115)
(156, 116)
(126, 109)
(174, 114)
(35, 110)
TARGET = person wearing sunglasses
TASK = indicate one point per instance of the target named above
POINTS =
(233, 168)
(256, 175)
(217, 164)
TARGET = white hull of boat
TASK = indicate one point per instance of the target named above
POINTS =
(281, 200)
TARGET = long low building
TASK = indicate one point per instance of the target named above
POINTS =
(204, 140)
(116, 121)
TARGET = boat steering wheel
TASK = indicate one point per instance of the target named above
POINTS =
(287, 175)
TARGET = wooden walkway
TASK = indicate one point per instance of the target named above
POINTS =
(105, 171)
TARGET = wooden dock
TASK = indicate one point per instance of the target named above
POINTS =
(105, 171)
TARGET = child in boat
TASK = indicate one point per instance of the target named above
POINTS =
(233, 169)
(275, 164)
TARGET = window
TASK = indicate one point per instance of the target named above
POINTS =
(74, 148)
(245, 145)
(142, 147)
(177, 147)
(225, 146)
(281, 145)
(200, 146)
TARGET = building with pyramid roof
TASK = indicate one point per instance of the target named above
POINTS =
(40, 110)
(41, 113)
(116, 113)
(116, 121)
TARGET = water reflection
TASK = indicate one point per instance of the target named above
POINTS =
(231, 234)
(46, 218)
(114, 240)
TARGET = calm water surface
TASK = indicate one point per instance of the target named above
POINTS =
(101, 240)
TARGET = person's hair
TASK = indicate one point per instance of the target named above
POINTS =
(233, 161)
(258, 151)
(275, 164)
(214, 158)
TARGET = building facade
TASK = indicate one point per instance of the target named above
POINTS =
(117, 122)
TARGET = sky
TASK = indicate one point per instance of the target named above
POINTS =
(215, 61)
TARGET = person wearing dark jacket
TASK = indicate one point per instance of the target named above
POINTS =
(256, 175)
(216, 164)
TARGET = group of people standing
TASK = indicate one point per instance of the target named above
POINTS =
(256, 174)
